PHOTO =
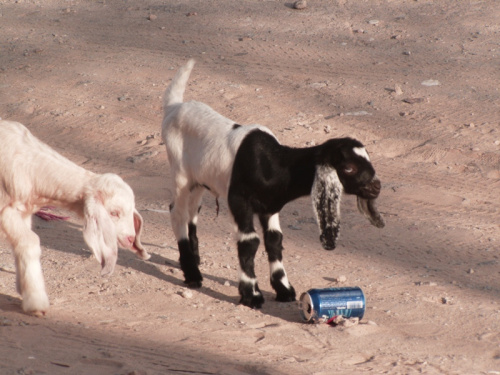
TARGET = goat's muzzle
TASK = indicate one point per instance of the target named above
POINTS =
(371, 190)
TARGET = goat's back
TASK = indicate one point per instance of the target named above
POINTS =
(30, 170)
(202, 144)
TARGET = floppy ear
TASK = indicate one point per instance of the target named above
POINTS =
(368, 208)
(137, 246)
(326, 193)
(100, 234)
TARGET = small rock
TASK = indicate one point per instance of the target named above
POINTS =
(152, 17)
(341, 321)
(227, 283)
(357, 113)
(141, 157)
(431, 82)
(397, 90)
(374, 22)
(300, 4)
(341, 279)
(327, 129)
(186, 293)
(470, 271)
(429, 283)
(413, 100)
(5, 322)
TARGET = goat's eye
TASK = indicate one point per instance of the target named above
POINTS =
(350, 169)
(115, 214)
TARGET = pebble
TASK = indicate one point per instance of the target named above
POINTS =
(140, 157)
(341, 279)
(373, 22)
(7, 268)
(431, 82)
(357, 113)
(152, 17)
(341, 321)
(300, 4)
(186, 293)
(397, 90)
(470, 270)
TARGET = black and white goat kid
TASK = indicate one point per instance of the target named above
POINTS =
(258, 176)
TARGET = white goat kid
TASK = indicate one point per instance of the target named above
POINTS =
(258, 176)
(33, 175)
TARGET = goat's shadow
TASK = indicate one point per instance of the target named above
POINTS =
(10, 303)
(51, 232)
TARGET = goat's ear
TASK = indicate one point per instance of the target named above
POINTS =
(326, 193)
(137, 246)
(368, 208)
(100, 234)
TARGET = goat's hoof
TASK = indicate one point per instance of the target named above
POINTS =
(36, 304)
(254, 302)
(193, 284)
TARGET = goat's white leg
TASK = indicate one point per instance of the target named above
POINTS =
(188, 257)
(273, 239)
(27, 251)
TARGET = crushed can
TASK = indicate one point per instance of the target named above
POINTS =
(321, 305)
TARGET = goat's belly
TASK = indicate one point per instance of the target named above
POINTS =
(216, 181)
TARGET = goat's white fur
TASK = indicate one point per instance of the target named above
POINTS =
(361, 151)
(33, 175)
(197, 152)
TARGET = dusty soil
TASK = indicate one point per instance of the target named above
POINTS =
(416, 81)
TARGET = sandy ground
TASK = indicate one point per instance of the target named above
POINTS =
(416, 81)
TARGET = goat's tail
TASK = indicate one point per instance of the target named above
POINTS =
(175, 91)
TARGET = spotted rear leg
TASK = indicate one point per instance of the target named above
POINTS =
(273, 239)
(248, 287)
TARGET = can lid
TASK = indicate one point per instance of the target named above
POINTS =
(306, 307)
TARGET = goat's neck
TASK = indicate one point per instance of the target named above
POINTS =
(301, 163)
(63, 187)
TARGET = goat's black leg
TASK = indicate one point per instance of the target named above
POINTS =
(248, 287)
(193, 242)
(194, 210)
(184, 217)
(248, 243)
(273, 239)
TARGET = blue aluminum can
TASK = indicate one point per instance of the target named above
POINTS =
(318, 305)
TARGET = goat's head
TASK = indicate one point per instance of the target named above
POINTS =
(343, 165)
(111, 220)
